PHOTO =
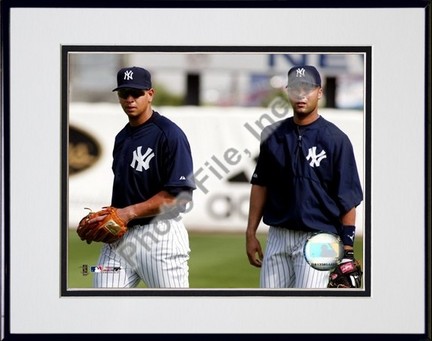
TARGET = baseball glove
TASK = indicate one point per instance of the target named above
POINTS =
(108, 230)
(346, 275)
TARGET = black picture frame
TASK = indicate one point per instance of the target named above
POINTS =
(9, 191)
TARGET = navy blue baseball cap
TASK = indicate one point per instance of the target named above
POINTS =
(303, 74)
(133, 77)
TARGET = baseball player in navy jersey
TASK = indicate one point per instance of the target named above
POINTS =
(152, 164)
(305, 181)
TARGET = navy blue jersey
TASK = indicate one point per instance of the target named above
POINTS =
(149, 158)
(310, 173)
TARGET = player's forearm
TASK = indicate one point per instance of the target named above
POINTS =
(348, 220)
(258, 197)
(160, 202)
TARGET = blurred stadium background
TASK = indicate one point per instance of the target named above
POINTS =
(222, 101)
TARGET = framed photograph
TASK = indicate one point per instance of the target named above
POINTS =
(220, 203)
(221, 77)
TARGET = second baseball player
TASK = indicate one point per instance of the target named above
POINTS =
(305, 181)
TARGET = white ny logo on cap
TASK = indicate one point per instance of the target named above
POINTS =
(128, 75)
(300, 72)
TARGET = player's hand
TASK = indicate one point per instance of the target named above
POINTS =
(126, 214)
(96, 219)
(254, 251)
(122, 213)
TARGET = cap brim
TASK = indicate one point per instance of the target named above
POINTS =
(131, 86)
(298, 82)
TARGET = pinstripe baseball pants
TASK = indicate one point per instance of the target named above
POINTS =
(284, 264)
(156, 253)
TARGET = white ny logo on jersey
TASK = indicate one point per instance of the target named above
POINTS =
(128, 75)
(300, 72)
(141, 161)
(316, 159)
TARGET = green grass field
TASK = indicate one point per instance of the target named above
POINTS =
(217, 260)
